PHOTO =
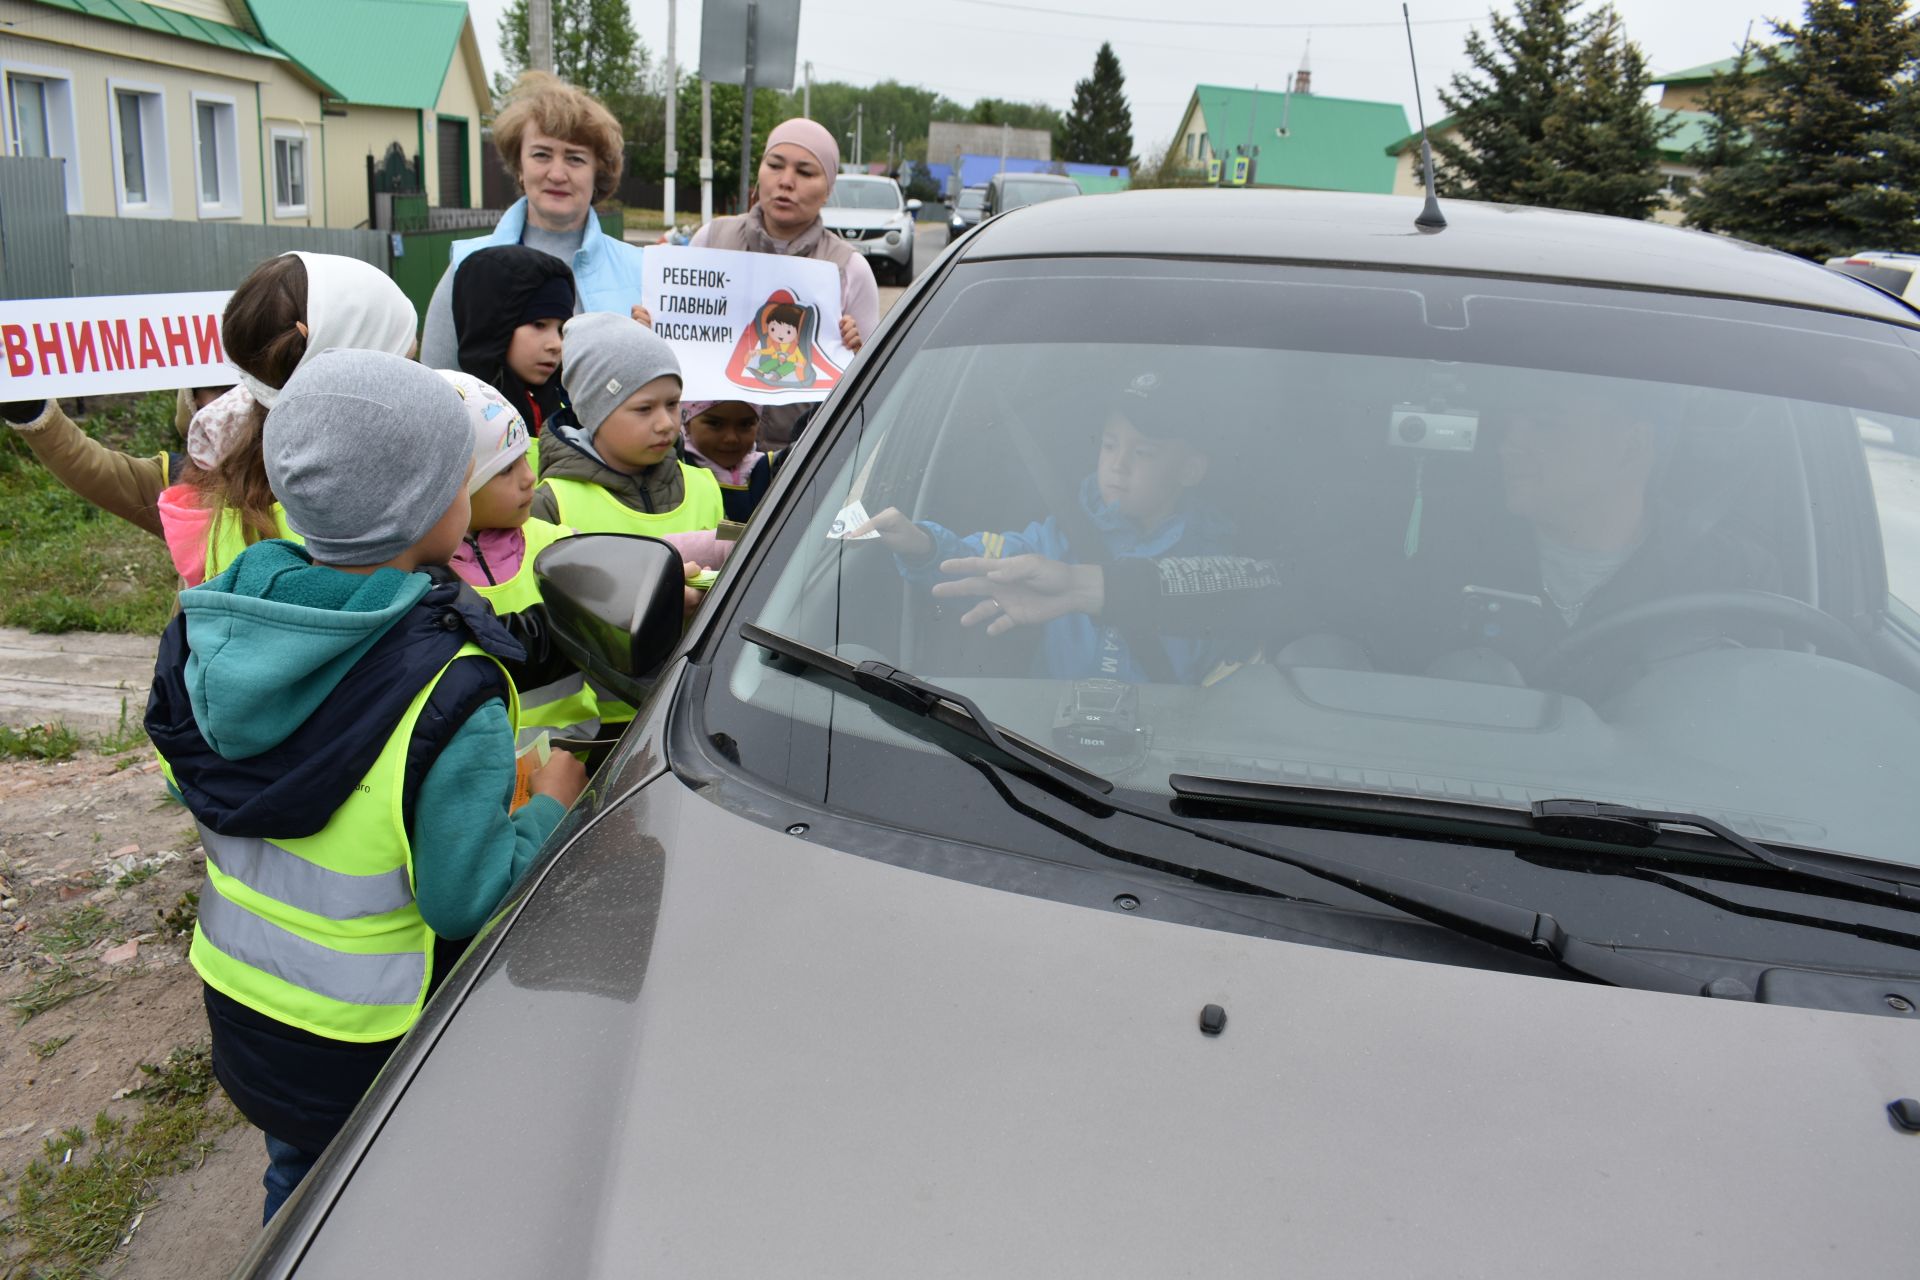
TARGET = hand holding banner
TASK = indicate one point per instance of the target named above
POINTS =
(747, 326)
(54, 347)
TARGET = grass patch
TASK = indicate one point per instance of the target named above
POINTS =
(181, 917)
(75, 931)
(128, 735)
(52, 741)
(139, 875)
(44, 1049)
(68, 565)
(654, 220)
(61, 985)
(74, 1204)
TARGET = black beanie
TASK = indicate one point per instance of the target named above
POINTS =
(553, 300)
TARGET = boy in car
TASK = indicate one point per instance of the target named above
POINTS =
(1141, 502)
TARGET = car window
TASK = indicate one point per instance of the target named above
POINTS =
(1428, 536)
(972, 198)
(1020, 193)
(851, 193)
(1893, 279)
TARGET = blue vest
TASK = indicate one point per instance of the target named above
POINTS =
(606, 272)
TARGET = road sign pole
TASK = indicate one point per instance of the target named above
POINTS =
(673, 138)
(746, 108)
(540, 35)
(706, 151)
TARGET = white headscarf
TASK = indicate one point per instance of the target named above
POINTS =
(350, 304)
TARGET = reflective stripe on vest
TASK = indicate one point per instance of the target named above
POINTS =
(566, 708)
(322, 932)
(383, 978)
(273, 872)
(227, 537)
(591, 508)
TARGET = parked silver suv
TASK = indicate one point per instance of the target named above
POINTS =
(869, 213)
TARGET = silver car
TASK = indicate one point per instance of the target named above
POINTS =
(869, 213)
(1356, 750)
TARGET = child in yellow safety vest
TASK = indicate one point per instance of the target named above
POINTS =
(339, 724)
(615, 469)
(496, 557)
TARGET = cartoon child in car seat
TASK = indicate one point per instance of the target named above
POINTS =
(777, 349)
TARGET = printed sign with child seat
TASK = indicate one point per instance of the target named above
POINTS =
(760, 327)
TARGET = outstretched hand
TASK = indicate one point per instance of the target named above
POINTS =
(897, 534)
(1021, 591)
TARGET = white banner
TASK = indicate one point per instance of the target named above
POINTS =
(53, 347)
(747, 326)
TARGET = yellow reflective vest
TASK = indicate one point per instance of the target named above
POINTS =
(591, 508)
(227, 537)
(322, 932)
(565, 708)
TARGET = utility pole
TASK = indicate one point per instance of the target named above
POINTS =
(806, 95)
(706, 152)
(746, 107)
(892, 167)
(860, 137)
(540, 35)
(673, 97)
(1006, 133)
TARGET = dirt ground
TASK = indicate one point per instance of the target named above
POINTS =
(99, 831)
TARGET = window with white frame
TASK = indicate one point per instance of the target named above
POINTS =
(216, 155)
(139, 127)
(39, 119)
(289, 173)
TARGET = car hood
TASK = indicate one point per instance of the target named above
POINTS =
(707, 1048)
(862, 219)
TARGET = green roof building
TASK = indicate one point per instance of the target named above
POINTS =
(1272, 138)
(1680, 172)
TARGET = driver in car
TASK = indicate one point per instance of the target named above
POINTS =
(1583, 536)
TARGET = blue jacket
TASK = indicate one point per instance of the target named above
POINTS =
(1076, 647)
(606, 272)
(280, 682)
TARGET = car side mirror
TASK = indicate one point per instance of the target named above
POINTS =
(616, 604)
(913, 206)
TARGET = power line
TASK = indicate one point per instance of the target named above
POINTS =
(1185, 22)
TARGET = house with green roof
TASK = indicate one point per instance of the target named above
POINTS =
(1686, 89)
(243, 111)
(405, 83)
(1289, 137)
(1675, 166)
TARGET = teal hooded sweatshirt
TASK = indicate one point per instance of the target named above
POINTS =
(268, 642)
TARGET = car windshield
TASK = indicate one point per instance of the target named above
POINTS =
(860, 193)
(1019, 193)
(972, 199)
(1427, 536)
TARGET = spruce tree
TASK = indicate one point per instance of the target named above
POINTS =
(1814, 148)
(1098, 128)
(1554, 113)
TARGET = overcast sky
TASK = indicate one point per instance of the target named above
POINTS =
(969, 49)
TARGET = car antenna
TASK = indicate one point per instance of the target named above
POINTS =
(1430, 219)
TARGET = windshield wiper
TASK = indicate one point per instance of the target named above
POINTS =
(1500, 924)
(1584, 820)
(944, 706)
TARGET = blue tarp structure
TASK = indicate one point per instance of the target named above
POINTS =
(942, 174)
(975, 170)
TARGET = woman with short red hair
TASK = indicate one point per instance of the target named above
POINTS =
(566, 152)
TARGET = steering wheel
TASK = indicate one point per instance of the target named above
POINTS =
(1717, 612)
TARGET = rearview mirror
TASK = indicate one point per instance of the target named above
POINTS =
(616, 604)
(913, 206)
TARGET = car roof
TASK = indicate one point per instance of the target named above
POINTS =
(1342, 229)
(1032, 177)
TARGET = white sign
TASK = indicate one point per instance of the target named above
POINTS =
(747, 326)
(53, 347)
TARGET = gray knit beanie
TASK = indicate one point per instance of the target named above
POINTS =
(366, 451)
(605, 358)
